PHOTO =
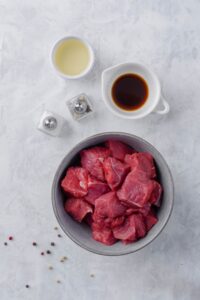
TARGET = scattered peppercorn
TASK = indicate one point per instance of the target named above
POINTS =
(48, 252)
(27, 286)
(59, 235)
(6, 244)
(52, 244)
(50, 268)
(62, 260)
(34, 244)
(58, 281)
(65, 257)
(92, 275)
(55, 228)
(10, 238)
(42, 253)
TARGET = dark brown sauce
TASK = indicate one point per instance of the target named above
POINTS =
(130, 92)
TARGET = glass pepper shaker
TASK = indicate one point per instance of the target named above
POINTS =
(79, 106)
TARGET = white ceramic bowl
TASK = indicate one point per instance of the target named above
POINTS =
(86, 71)
(81, 233)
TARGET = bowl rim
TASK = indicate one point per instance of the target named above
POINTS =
(53, 51)
(55, 180)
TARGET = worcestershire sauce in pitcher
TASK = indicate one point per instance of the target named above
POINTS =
(130, 92)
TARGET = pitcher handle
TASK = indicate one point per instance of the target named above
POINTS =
(166, 107)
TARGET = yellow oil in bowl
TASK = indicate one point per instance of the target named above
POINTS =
(72, 57)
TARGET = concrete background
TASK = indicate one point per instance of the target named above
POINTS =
(165, 36)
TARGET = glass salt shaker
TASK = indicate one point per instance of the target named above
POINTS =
(51, 123)
(79, 106)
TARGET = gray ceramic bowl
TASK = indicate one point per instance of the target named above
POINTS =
(81, 233)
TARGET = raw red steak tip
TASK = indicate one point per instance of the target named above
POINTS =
(127, 231)
(133, 228)
(119, 149)
(75, 181)
(115, 172)
(151, 220)
(142, 161)
(109, 206)
(96, 188)
(103, 235)
(156, 194)
(92, 159)
(136, 189)
(78, 208)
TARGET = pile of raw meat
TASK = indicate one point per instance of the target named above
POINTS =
(115, 191)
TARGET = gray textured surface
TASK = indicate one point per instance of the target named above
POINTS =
(161, 34)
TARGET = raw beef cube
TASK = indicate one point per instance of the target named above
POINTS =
(133, 228)
(101, 220)
(150, 220)
(140, 225)
(107, 222)
(119, 149)
(103, 235)
(142, 210)
(115, 171)
(75, 181)
(96, 188)
(156, 194)
(92, 159)
(78, 208)
(145, 209)
(126, 231)
(142, 161)
(136, 189)
(109, 206)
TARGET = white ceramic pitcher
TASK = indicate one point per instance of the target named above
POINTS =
(154, 96)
